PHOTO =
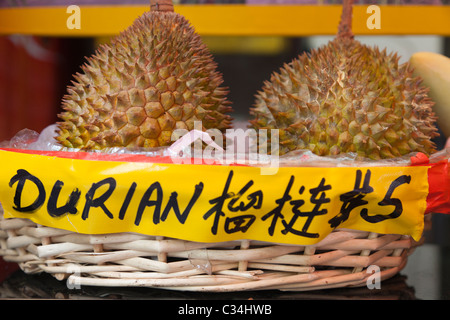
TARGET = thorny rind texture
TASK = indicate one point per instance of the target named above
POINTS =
(347, 97)
(155, 77)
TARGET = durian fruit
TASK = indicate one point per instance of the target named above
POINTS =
(346, 97)
(434, 69)
(153, 78)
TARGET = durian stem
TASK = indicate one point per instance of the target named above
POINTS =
(345, 26)
(161, 5)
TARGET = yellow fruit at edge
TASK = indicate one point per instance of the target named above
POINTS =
(434, 69)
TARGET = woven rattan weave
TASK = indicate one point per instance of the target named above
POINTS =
(344, 258)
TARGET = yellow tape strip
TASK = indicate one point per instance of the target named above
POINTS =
(211, 203)
(230, 20)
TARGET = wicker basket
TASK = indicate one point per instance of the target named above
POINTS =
(133, 260)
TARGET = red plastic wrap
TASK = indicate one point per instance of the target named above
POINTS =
(438, 200)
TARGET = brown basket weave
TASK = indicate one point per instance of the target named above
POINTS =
(133, 260)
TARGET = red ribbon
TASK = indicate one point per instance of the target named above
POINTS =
(438, 199)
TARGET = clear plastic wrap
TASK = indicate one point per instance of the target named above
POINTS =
(183, 148)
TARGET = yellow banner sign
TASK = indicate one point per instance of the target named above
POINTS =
(211, 203)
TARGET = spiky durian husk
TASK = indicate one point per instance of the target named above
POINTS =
(155, 77)
(347, 97)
